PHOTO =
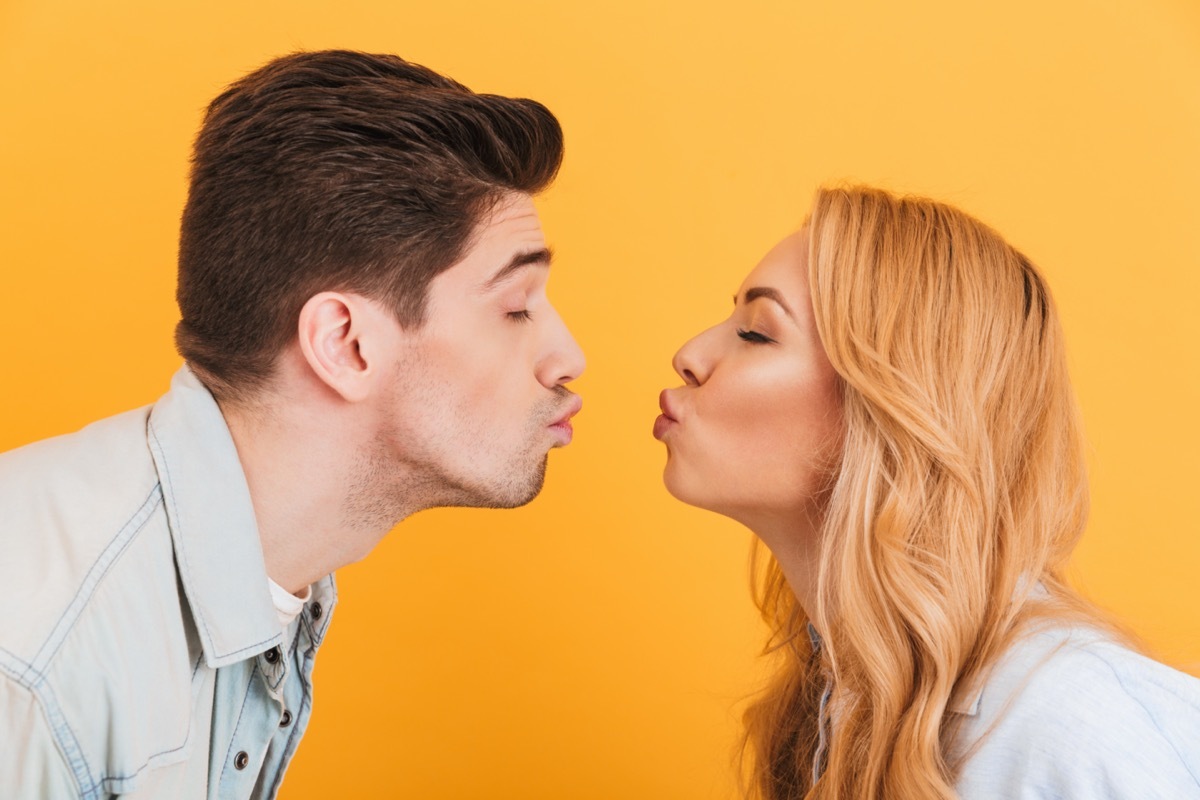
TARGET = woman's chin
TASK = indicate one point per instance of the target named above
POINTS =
(698, 493)
(688, 490)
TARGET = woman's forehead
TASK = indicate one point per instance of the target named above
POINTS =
(783, 268)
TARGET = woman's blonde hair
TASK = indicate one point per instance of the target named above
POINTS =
(961, 488)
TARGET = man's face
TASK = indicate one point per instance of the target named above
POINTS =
(480, 395)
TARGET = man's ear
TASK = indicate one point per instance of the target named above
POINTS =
(332, 329)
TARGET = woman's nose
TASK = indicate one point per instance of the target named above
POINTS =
(693, 362)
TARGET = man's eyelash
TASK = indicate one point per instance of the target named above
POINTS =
(754, 336)
(520, 316)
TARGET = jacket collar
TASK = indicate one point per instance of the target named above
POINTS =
(217, 549)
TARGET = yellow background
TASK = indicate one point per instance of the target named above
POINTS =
(596, 644)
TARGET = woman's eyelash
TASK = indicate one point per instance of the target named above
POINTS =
(520, 316)
(754, 336)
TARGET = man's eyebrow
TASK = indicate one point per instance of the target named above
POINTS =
(767, 292)
(542, 257)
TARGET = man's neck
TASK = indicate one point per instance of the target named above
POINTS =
(298, 467)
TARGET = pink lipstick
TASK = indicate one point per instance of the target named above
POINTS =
(666, 420)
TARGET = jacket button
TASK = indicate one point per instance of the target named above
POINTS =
(315, 608)
(241, 760)
(286, 720)
(272, 655)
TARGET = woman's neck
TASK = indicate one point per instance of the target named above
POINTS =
(793, 540)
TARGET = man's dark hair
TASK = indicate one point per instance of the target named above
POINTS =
(345, 171)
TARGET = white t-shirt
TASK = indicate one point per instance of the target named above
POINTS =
(287, 605)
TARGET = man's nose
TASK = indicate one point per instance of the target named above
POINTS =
(565, 360)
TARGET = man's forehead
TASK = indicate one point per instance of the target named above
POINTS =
(513, 218)
(510, 231)
(512, 225)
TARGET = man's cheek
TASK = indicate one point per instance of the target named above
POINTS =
(486, 385)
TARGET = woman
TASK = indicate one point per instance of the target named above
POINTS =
(888, 409)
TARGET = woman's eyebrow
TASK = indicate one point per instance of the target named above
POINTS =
(767, 292)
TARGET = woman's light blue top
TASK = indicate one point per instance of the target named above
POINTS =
(1068, 713)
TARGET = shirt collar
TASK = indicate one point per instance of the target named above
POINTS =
(217, 548)
(967, 704)
(814, 638)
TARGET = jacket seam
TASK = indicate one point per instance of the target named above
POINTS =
(100, 567)
(107, 780)
(8, 671)
(60, 730)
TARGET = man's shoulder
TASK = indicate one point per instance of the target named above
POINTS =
(119, 425)
(102, 455)
(103, 655)
(67, 507)
(1070, 707)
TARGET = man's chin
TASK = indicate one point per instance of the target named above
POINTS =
(510, 491)
(531, 488)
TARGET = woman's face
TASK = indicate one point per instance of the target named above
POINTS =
(754, 431)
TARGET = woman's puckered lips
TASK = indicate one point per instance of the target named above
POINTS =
(668, 418)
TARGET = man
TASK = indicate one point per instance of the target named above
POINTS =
(362, 283)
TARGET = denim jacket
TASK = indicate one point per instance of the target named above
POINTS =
(142, 655)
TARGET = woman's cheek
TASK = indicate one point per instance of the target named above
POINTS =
(789, 433)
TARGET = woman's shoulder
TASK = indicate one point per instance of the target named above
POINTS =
(1073, 711)
(1072, 666)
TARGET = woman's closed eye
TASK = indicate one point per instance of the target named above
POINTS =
(754, 336)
